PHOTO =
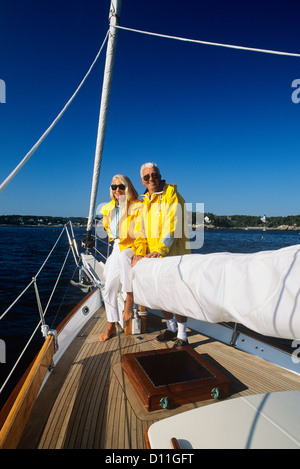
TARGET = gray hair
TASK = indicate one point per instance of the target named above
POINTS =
(149, 165)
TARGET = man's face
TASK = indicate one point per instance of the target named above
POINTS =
(151, 179)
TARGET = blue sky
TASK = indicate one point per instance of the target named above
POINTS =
(220, 123)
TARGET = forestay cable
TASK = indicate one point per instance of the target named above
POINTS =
(197, 41)
(46, 133)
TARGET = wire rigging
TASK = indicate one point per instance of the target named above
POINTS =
(197, 41)
(46, 133)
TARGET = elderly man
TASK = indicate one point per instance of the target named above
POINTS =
(164, 218)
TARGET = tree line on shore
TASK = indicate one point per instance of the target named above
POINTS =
(250, 221)
(34, 220)
(210, 220)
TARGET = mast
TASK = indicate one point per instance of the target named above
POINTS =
(114, 19)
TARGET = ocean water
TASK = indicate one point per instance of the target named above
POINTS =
(247, 241)
(24, 249)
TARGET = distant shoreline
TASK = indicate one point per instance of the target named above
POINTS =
(206, 227)
(38, 226)
(196, 221)
(257, 228)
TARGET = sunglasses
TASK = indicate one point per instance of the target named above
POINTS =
(153, 175)
(116, 186)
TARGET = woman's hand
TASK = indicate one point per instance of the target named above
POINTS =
(135, 259)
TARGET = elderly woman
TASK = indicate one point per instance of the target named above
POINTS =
(123, 222)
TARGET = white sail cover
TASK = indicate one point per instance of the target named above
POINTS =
(260, 290)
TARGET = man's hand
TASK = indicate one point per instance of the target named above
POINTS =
(153, 254)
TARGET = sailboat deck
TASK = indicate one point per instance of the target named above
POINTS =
(92, 404)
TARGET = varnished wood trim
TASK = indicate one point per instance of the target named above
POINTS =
(146, 437)
(175, 443)
(10, 401)
(15, 422)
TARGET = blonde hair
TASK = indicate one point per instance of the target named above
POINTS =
(130, 192)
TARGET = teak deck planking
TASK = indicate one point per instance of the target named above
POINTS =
(88, 402)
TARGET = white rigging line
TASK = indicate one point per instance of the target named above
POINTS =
(19, 358)
(230, 46)
(44, 313)
(35, 277)
(45, 134)
(38, 143)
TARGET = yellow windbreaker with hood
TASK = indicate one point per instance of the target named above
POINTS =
(165, 221)
(125, 223)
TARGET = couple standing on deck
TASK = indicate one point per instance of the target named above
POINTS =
(146, 229)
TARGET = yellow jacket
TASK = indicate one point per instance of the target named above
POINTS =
(165, 221)
(125, 222)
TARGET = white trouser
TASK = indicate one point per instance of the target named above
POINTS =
(117, 270)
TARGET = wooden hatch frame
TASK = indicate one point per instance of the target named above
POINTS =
(191, 377)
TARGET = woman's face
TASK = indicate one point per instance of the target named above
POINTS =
(118, 189)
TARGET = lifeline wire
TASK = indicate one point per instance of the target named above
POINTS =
(35, 277)
(230, 46)
(45, 134)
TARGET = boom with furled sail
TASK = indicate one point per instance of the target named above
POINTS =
(260, 290)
